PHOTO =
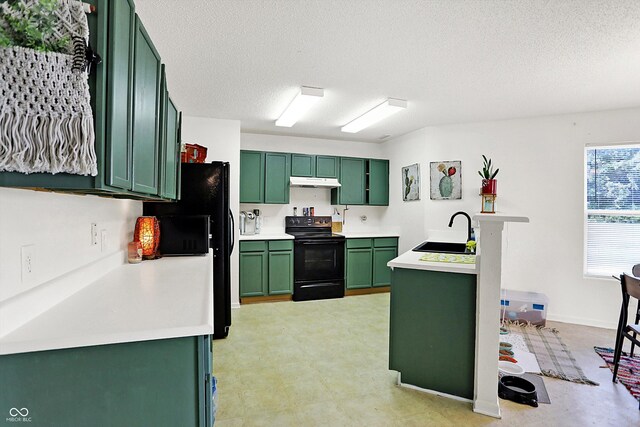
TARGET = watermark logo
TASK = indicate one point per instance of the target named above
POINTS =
(18, 415)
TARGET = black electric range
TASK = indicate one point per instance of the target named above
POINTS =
(318, 258)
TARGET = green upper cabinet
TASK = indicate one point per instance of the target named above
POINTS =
(170, 144)
(378, 182)
(146, 103)
(118, 139)
(353, 181)
(251, 177)
(326, 167)
(303, 165)
(127, 108)
(276, 178)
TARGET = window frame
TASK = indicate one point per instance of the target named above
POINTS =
(587, 212)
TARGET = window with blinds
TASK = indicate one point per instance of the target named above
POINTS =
(612, 213)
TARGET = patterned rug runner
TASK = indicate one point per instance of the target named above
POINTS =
(553, 356)
(628, 371)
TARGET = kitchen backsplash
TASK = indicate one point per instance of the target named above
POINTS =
(320, 199)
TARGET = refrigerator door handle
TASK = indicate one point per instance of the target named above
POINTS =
(233, 232)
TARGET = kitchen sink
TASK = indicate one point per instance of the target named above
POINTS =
(441, 247)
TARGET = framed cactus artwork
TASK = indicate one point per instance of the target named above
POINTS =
(446, 180)
(411, 182)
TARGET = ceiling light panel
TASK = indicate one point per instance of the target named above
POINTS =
(304, 100)
(381, 112)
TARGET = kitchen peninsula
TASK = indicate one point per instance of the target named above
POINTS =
(445, 318)
(132, 347)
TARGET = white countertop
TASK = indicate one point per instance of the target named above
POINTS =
(166, 298)
(411, 260)
(367, 234)
(267, 236)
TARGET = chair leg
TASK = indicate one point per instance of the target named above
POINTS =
(616, 355)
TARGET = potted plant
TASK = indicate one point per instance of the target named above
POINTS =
(489, 183)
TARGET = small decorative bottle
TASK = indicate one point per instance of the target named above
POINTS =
(134, 252)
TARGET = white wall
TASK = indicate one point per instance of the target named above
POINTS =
(319, 198)
(222, 139)
(541, 176)
(59, 227)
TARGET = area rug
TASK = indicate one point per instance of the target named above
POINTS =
(553, 356)
(628, 371)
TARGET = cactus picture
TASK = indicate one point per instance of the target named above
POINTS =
(411, 182)
(446, 180)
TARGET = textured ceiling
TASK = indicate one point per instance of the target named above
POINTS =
(454, 61)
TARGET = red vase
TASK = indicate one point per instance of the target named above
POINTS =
(489, 186)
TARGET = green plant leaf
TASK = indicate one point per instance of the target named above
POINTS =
(495, 173)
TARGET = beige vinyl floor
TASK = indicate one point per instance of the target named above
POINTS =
(324, 363)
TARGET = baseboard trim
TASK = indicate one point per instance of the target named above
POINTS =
(582, 321)
(367, 291)
(269, 298)
(428, 391)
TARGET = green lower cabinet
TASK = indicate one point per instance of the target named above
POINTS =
(358, 268)
(253, 274)
(382, 273)
(164, 382)
(266, 268)
(366, 261)
(425, 306)
(280, 272)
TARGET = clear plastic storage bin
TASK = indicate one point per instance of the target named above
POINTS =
(526, 307)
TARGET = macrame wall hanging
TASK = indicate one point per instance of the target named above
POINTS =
(46, 123)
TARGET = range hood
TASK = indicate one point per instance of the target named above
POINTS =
(299, 181)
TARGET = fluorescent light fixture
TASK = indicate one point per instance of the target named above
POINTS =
(381, 112)
(304, 100)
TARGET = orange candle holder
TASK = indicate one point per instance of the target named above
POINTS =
(147, 232)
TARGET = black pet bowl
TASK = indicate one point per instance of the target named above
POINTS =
(518, 390)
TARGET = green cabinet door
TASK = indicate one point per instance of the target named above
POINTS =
(146, 91)
(251, 177)
(379, 182)
(280, 272)
(253, 274)
(382, 273)
(170, 150)
(352, 180)
(358, 266)
(303, 165)
(276, 178)
(326, 167)
(118, 137)
(150, 383)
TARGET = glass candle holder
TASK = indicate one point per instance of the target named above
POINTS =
(134, 252)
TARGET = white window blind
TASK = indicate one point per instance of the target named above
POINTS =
(612, 213)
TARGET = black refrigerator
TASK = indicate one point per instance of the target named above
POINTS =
(204, 190)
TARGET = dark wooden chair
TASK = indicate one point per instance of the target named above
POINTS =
(630, 289)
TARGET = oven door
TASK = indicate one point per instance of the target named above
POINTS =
(318, 259)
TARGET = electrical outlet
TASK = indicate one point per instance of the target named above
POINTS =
(27, 255)
(94, 234)
(103, 240)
